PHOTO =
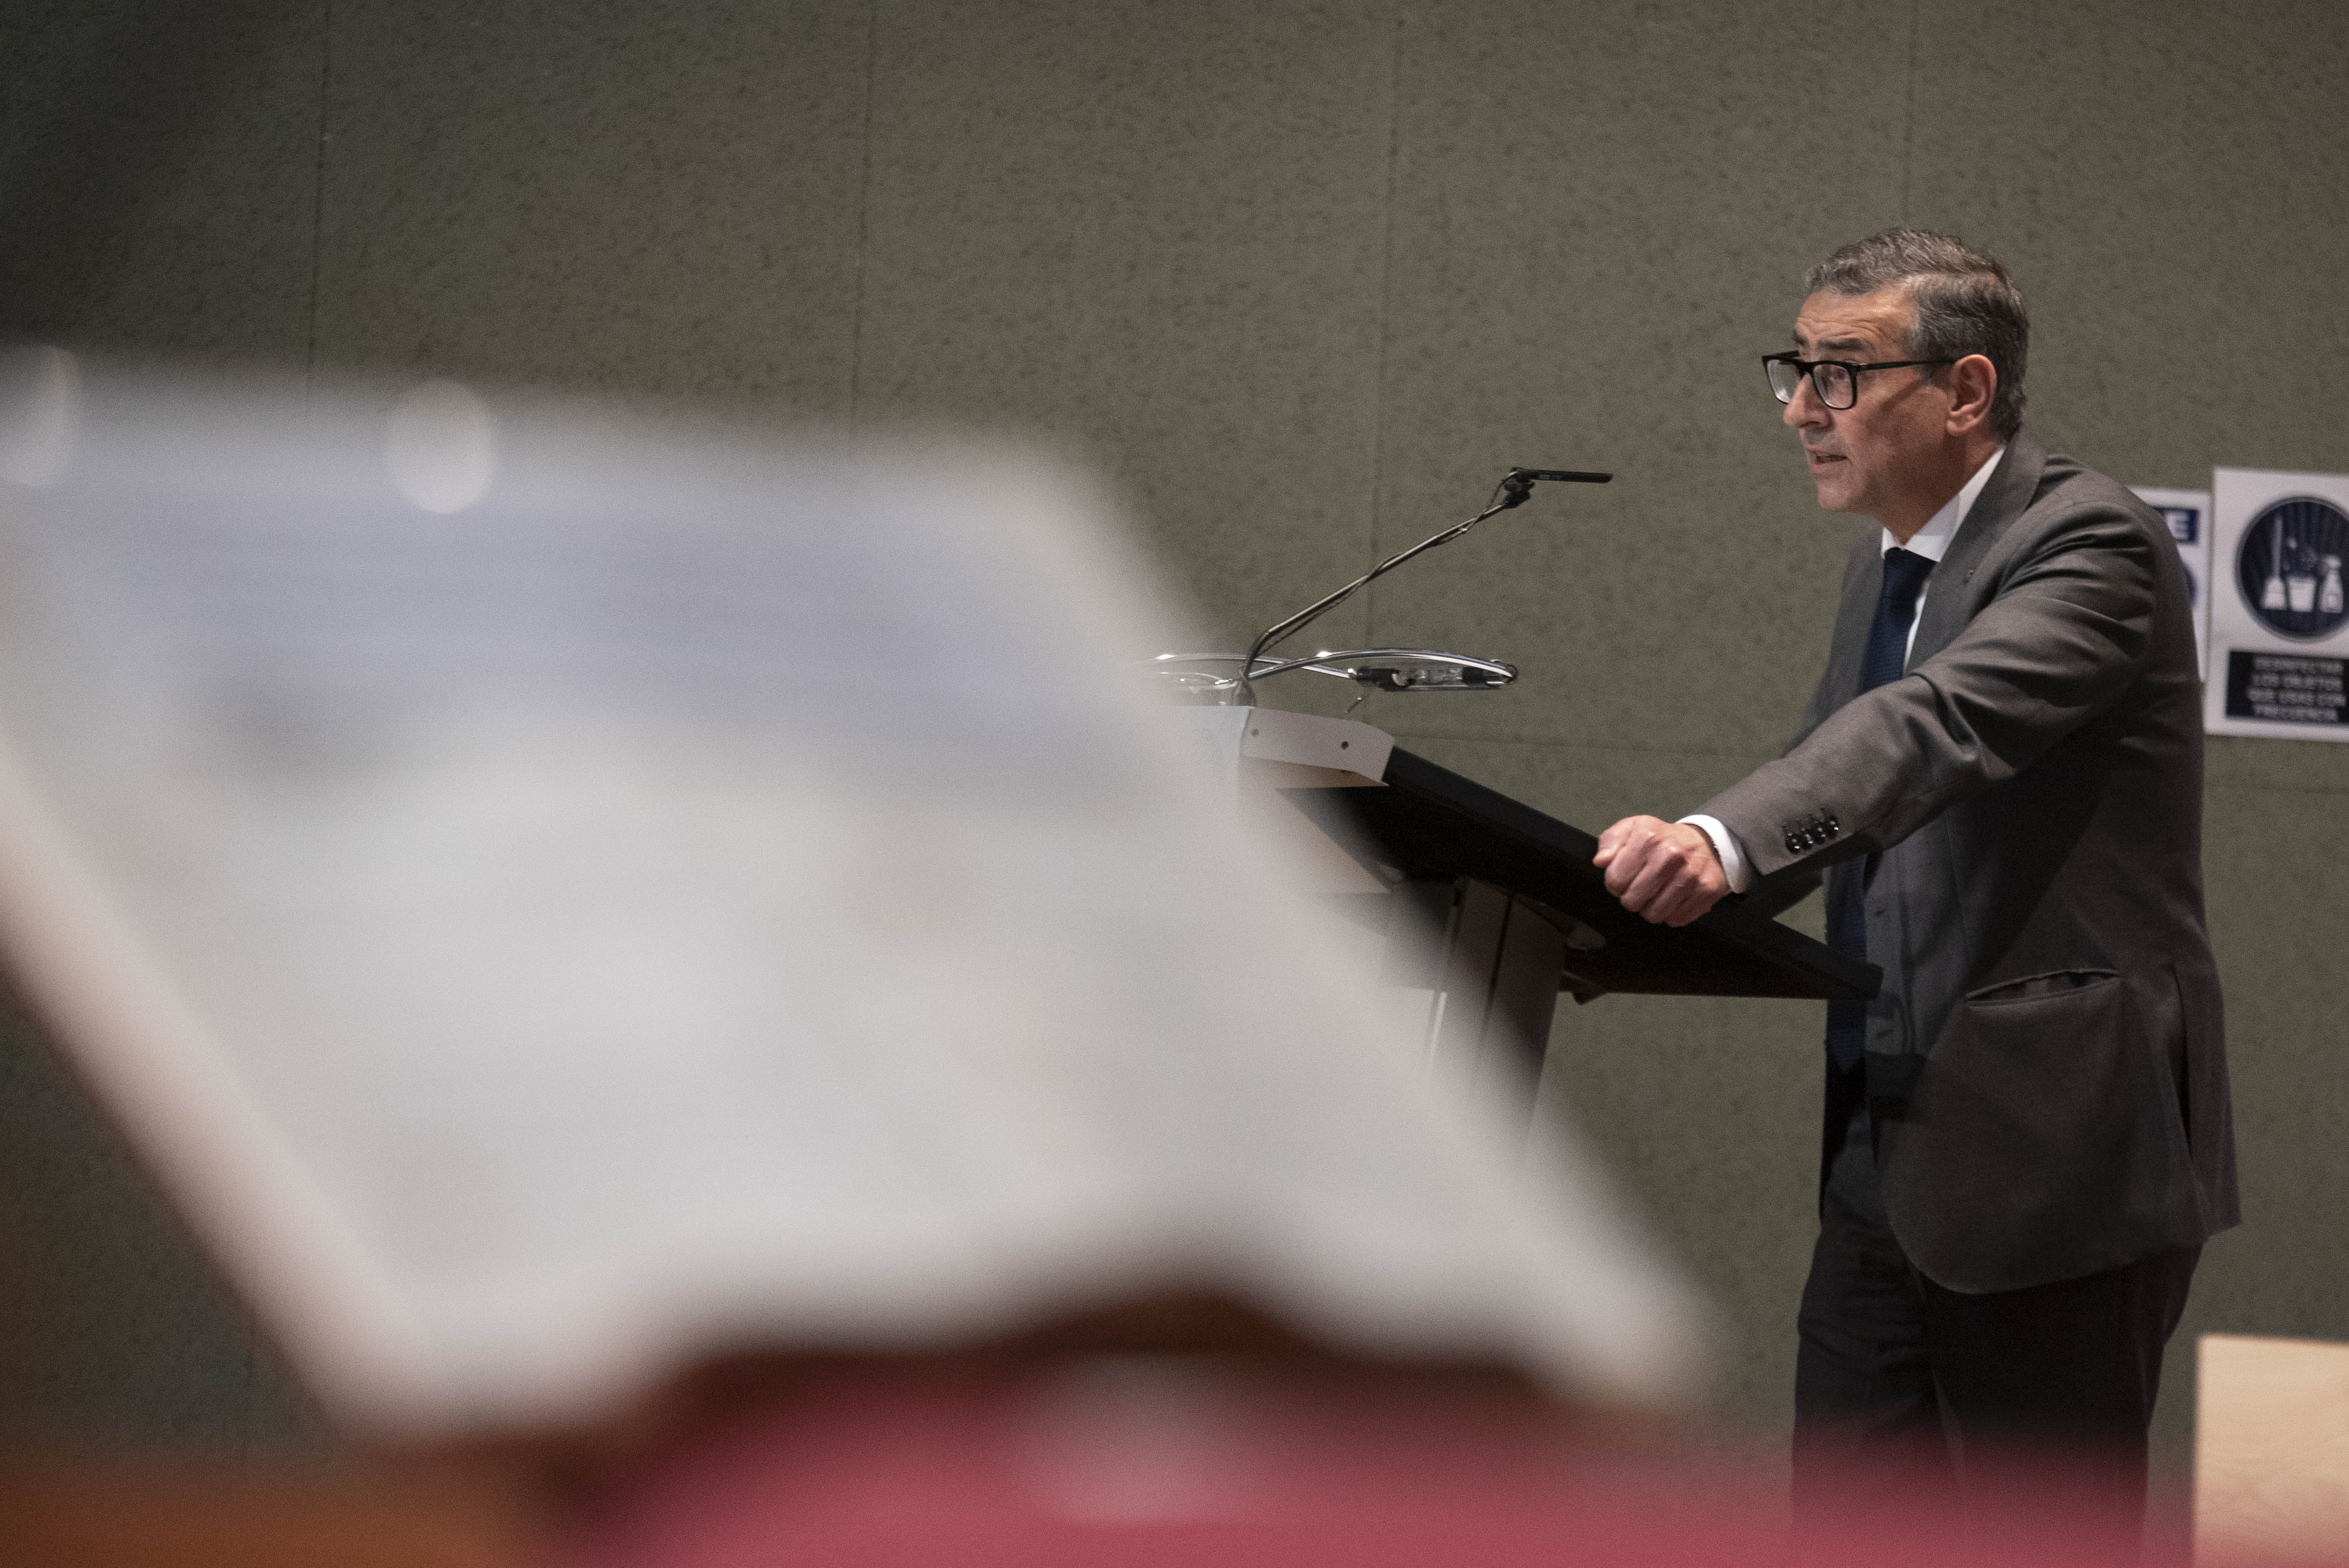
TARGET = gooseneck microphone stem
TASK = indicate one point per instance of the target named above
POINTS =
(1515, 487)
(1297, 623)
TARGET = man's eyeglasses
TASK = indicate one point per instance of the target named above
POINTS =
(1837, 383)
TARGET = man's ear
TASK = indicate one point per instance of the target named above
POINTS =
(1973, 382)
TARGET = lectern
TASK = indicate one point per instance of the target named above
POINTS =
(1491, 908)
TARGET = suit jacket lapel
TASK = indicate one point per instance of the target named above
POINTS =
(1947, 606)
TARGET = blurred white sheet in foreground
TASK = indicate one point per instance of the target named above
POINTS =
(549, 897)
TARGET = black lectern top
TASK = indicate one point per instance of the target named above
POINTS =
(1432, 824)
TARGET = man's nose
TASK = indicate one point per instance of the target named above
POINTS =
(1803, 411)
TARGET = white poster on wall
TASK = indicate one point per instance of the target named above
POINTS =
(2188, 512)
(2279, 651)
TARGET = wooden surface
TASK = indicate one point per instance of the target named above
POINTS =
(66, 1513)
(2271, 1451)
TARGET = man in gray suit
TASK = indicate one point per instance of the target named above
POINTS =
(2000, 775)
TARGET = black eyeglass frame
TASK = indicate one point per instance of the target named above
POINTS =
(1811, 368)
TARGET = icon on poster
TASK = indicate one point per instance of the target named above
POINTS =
(2288, 567)
(2185, 528)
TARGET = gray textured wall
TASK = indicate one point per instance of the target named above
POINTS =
(1306, 274)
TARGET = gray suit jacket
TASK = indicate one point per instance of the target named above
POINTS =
(2046, 1062)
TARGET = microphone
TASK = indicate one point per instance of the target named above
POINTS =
(1519, 482)
(1515, 487)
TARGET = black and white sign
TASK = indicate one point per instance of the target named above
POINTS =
(2279, 619)
(2286, 688)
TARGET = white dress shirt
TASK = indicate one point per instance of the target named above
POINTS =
(1932, 543)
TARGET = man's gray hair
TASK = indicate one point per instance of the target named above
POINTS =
(1962, 299)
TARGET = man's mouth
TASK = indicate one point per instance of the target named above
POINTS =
(1819, 459)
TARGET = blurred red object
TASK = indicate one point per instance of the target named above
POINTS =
(1126, 1461)
(1110, 1460)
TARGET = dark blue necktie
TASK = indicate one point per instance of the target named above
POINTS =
(1887, 653)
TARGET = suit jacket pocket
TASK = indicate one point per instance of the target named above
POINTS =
(2042, 1139)
(2040, 988)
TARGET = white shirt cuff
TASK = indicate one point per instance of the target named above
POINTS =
(1725, 846)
